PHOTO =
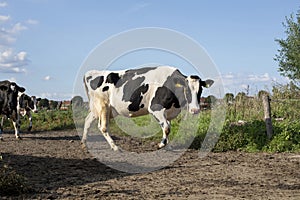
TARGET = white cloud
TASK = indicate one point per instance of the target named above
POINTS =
(3, 4)
(239, 82)
(11, 62)
(32, 21)
(18, 27)
(137, 7)
(259, 78)
(4, 18)
(47, 78)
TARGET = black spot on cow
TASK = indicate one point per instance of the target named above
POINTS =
(137, 97)
(170, 94)
(164, 98)
(140, 71)
(130, 87)
(119, 81)
(124, 79)
(112, 78)
(161, 124)
(88, 78)
(105, 88)
(97, 82)
(195, 77)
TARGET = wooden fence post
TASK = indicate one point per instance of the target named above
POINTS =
(267, 112)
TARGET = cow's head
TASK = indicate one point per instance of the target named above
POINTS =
(32, 104)
(194, 91)
(15, 88)
(13, 92)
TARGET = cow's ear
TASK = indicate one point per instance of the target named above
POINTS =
(21, 89)
(207, 83)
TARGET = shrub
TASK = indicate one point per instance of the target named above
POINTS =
(11, 183)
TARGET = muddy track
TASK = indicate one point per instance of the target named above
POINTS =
(56, 167)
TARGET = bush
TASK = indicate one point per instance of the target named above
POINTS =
(286, 137)
(11, 183)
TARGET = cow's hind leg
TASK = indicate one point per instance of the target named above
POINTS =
(165, 125)
(87, 123)
(103, 125)
(1, 128)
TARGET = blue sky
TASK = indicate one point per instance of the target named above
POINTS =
(44, 42)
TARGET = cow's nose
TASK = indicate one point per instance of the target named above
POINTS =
(195, 111)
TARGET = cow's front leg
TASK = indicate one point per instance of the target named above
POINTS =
(30, 121)
(1, 128)
(16, 125)
(165, 125)
(103, 125)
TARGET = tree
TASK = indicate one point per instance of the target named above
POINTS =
(53, 105)
(228, 98)
(211, 99)
(288, 55)
(241, 97)
(43, 104)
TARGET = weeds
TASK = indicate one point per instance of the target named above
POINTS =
(11, 183)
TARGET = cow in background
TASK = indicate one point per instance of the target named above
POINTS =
(9, 104)
(26, 105)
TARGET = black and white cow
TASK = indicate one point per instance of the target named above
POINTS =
(26, 105)
(9, 103)
(161, 91)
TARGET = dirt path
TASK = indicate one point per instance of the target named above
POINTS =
(57, 168)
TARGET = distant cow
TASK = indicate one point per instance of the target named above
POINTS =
(9, 103)
(26, 105)
(160, 91)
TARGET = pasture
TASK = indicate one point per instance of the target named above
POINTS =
(49, 163)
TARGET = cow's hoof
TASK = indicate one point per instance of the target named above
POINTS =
(116, 148)
(161, 145)
(29, 129)
(18, 138)
(1, 138)
(83, 145)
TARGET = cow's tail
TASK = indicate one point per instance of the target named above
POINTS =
(86, 88)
